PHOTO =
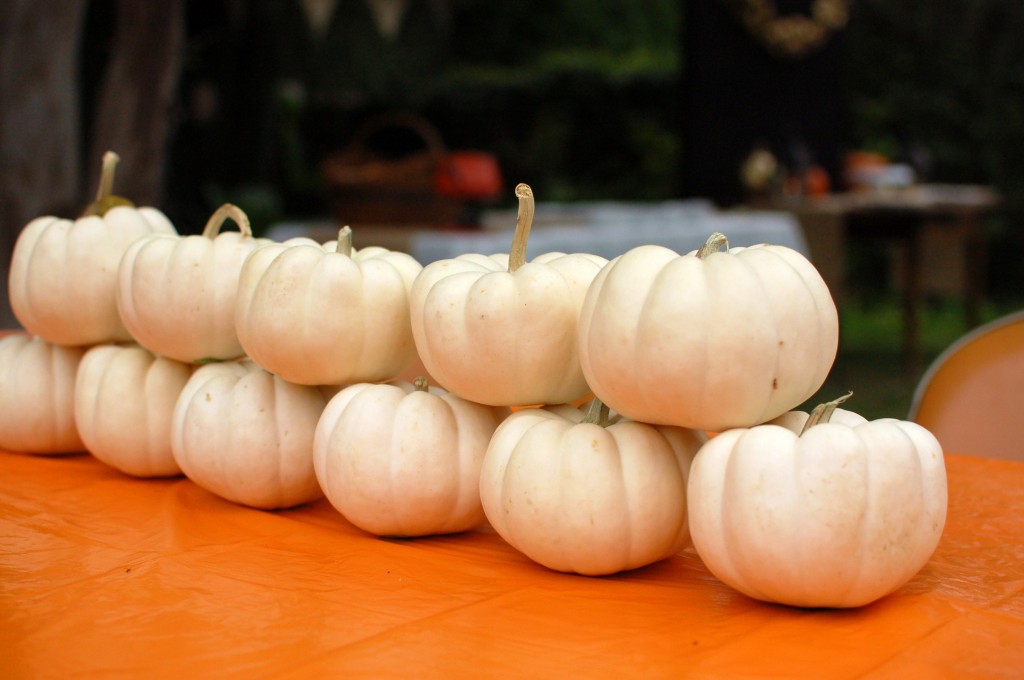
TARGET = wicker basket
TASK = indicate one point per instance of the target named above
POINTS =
(365, 186)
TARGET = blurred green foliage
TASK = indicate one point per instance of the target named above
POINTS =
(580, 98)
(947, 80)
(946, 76)
(581, 93)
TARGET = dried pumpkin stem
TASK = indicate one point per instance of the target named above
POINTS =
(421, 384)
(524, 220)
(597, 413)
(345, 241)
(221, 215)
(713, 245)
(110, 161)
(105, 200)
(822, 413)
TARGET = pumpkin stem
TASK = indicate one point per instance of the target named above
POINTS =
(524, 220)
(713, 245)
(822, 413)
(597, 413)
(345, 241)
(221, 215)
(421, 384)
(105, 200)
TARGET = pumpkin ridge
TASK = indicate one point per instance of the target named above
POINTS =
(724, 548)
(820, 359)
(280, 430)
(824, 361)
(308, 303)
(866, 519)
(453, 421)
(40, 259)
(150, 391)
(396, 404)
(563, 465)
(63, 393)
(629, 540)
(909, 444)
(653, 402)
(766, 412)
(707, 307)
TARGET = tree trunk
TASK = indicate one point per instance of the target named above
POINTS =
(135, 109)
(39, 115)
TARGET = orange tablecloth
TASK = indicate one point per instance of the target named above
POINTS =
(107, 576)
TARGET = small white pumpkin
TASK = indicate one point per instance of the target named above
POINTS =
(247, 436)
(709, 340)
(502, 331)
(839, 515)
(327, 315)
(37, 396)
(124, 400)
(588, 494)
(176, 294)
(399, 459)
(63, 275)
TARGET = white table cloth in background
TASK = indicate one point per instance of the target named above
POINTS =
(607, 229)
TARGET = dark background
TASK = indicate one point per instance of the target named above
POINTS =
(210, 101)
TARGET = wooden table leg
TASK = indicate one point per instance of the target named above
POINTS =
(912, 289)
(975, 268)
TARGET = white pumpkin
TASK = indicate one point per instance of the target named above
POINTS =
(63, 273)
(590, 495)
(247, 436)
(502, 331)
(708, 340)
(176, 294)
(838, 516)
(327, 315)
(124, 401)
(37, 396)
(401, 460)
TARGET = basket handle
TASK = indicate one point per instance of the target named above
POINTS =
(427, 133)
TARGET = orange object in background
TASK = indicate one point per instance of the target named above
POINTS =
(816, 181)
(862, 168)
(468, 176)
(104, 575)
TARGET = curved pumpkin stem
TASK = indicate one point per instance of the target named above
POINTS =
(105, 200)
(713, 245)
(524, 220)
(822, 413)
(421, 384)
(345, 241)
(221, 215)
(597, 413)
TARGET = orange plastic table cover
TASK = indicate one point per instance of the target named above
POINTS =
(108, 576)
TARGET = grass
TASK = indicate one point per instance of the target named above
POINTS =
(870, 360)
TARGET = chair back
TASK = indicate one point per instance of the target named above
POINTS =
(972, 396)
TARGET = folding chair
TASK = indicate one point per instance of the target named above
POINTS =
(972, 395)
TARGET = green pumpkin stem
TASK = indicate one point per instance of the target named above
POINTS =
(713, 245)
(421, 384)
(105, 200)
(524, 220)
(221, 215)
(822, 413)
(345, 241)
(597, 413)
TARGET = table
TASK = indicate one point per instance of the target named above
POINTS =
(107, 576)
(902, 217)
(605, 228)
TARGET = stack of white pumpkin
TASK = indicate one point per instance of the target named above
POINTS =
(261, 371)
